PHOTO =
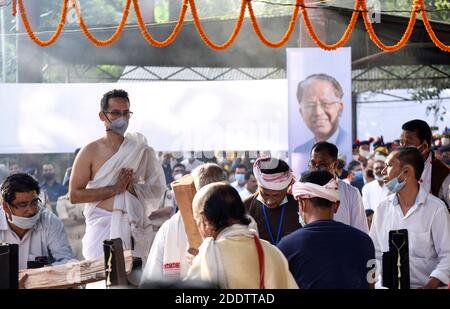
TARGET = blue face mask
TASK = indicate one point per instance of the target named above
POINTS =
(240, 178)
(359, 175)
(395, 185)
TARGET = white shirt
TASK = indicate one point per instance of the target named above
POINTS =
(244, 194)
(425, 179)
(351, 209)
(47, 236)
(428, 225)
(236, 185)
(373, 194)
(191, 166)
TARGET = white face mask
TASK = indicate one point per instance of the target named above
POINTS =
(23, 222)
(177, 176)
(364, 153)
(378, 178)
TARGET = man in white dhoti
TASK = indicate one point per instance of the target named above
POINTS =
(120, 180)
(231, 255)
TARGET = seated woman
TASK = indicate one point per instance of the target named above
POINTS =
(231, 255)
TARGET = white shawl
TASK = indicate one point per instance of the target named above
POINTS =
(130, 214)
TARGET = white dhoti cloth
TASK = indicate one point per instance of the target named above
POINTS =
(129, 218)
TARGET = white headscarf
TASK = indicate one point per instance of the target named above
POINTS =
(278, 181)
(309, 190)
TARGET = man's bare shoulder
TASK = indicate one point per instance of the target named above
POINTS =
(88, 151)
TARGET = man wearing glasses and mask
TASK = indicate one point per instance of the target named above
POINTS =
(37, 231)
(120, 180)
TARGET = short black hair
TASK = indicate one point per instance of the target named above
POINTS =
(248, 174)
(20, 182)
(274, 166)
(320, 178)
(413, 157)
(241, 166)
(330, 148)
(421, 128)
(223, 204)
(352, 165)
(115, 93)
(179, 165)
(369, 212)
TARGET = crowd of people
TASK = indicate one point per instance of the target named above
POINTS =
(261, 225)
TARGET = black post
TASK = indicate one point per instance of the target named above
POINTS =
(9, 266)
(114, 263)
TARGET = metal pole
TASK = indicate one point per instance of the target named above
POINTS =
(2, 33)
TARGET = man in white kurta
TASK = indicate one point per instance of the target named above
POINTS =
(351, 209)
(374, 192)
(424, 216)
(167, 258)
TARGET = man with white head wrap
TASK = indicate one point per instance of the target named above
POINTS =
(326, 254)
(274, 210)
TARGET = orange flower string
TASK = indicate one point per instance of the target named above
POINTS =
(91, 37)
(360, 6)
(203, 35)
(288, 33)
(348, 31)
(430, 31)
(147, 36)
(14, 7)
(374, 37)
(29, 30)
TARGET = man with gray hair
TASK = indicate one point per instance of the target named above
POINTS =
(320, 99)
(167, 258)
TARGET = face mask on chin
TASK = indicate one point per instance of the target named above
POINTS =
(23, 222)
(395, 185)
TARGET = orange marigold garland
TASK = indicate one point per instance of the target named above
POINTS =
(360, 5)
(29, 30)
(91, 37)
(149, 37)
(203, 35)
(430, 31)
(374, 37)
(288, 33)
(348, 31)
(14, 7)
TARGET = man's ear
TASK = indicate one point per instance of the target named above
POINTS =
(336, 207)
(341, 108)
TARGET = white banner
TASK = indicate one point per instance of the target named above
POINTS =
(174, 116)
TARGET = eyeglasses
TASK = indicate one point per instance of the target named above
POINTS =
(36, 203)
(324, 105)
(117, 114)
